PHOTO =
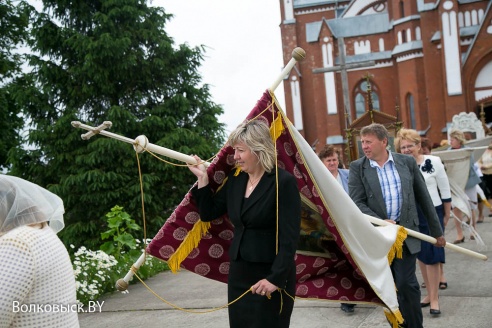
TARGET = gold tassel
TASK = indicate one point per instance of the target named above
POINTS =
(187, 245)
(276, 128)
(397, 248)
(394, 318)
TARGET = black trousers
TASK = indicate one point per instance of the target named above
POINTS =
(256, 311)
(408, 289)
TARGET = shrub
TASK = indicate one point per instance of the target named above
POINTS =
(96, 272)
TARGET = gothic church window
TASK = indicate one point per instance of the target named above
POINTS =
(467, 18)
(381, 44)
(474, 14)
(361, 98)
(418, 35)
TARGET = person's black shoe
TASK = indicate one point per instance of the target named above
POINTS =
(435, 312)
(347, 308)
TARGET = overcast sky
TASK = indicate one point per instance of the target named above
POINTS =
(244, 54)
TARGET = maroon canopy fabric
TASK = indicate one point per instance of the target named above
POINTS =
(325, 269)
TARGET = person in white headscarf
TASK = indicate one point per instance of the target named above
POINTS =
(38, 284)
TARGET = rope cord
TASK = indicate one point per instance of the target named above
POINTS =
(261, 113)
(187, 310)
(143, 209)
(276, 185)
(176, 164)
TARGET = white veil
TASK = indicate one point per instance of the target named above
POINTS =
(23, 203)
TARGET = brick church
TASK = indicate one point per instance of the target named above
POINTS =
(423, 60)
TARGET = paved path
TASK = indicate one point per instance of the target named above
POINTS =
(466, 303)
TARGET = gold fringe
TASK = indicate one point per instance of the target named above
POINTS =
(394, 318)
(486, 203)
(187, 245)
(397, 248)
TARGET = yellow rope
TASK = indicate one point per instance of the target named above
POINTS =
(143, 208)
(286, 293)
(186, 310)
(274, 138)
(176, 164)
(261, 113)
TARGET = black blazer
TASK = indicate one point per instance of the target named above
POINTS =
(255, 225)
(365, 191)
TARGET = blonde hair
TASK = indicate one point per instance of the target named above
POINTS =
(458, 135)
(406, 134)
(255, 135)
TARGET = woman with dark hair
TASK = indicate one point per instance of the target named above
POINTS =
(425, 146)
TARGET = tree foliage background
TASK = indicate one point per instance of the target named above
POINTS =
(14, 21)
(110, 60)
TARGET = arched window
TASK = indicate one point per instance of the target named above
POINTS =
(411, 111)
(360, 98)
(418, 35)
(360, 105)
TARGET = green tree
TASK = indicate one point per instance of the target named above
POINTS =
(111, 60)
(14, 20)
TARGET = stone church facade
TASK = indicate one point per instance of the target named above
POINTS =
(424, 60)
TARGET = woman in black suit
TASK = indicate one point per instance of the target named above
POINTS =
(266, 228)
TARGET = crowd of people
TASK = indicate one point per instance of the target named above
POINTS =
(384, 174)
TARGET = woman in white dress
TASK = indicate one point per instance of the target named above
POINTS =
(38, 284)
(430, 257)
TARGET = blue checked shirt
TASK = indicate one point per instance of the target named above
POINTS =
(390, 182)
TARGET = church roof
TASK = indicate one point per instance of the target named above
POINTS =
(407, 46)
(462, 2)
(365, 57)
(422, 6)
(469, 30)
(310, 3)
(313, 30)
(359, 25)
(464, 32)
